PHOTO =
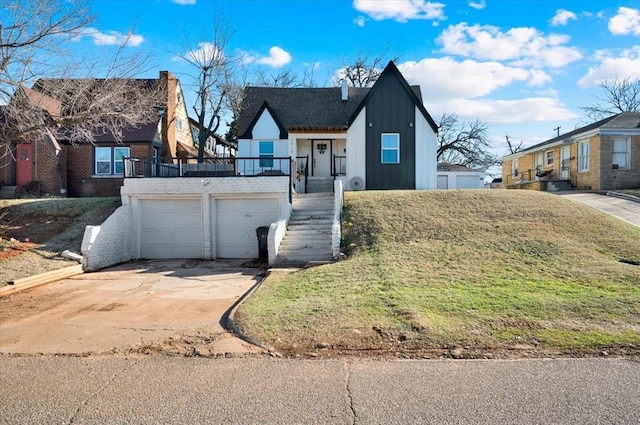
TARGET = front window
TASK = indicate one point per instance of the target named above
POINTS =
(621, 152)
(390, 148)
(514, 167)
(109, 160)
(549, 156)
(266, 152)
(583, 156)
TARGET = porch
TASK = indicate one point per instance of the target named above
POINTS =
(536, 179)
(320, 160)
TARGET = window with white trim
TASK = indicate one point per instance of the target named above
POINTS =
(621, 147)
(514, 167)
(390, 152)
(583, 156)
(266, 151)
(549, 157)
(108, 161)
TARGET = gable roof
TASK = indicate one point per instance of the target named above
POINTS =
(314, 109)
(413, 92)
(623, 120)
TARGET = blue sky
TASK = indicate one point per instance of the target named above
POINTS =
(523, 67)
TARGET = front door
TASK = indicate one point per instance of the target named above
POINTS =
(24, 163)
(565, 155)
(321, 158)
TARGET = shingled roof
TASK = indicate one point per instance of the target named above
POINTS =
(302, 109)
(623, 120)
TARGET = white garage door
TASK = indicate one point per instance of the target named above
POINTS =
(170, 228)
(236, 222)
(443, 182)
(468, 182)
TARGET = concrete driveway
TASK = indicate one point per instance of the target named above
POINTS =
(173, 307)
(623, 209)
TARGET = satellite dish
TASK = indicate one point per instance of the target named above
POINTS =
(356, 183)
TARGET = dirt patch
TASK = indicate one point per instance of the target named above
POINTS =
(172, 307)
(34, 233)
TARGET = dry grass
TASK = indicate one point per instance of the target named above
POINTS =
(478, 271)
(48, 226)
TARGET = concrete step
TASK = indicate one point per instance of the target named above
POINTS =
(304, 243)
(317, 223)
(304, 231)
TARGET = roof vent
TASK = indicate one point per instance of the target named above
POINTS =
(345, 90)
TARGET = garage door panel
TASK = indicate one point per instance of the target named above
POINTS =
(468, 182)
(236, 223)
(171, 228)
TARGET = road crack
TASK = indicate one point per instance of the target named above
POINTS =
(100, 390)
(347, 384)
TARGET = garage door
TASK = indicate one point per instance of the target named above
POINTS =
(443, 182)
(468, 182)
(236, 222)
(170, 228)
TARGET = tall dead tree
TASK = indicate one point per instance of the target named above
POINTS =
(616, 95)
(465, 143)
(364, 69)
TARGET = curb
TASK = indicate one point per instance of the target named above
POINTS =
(623, 196)
(40, 279)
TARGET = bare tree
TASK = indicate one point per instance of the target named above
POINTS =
(464, 142)
(617, 95)
(364, 70)
(212, 78)
(34, 37)
(513, 147)
(286, 78)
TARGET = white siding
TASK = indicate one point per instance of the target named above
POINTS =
(266, 127)
(426, 150)
(356, 149)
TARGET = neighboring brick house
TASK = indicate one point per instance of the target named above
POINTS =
(56, 167)
(604, 155)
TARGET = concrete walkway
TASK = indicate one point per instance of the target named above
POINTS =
(623, 209)
(179, 390)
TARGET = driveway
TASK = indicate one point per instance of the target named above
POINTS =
(173, 307)
(623, 209)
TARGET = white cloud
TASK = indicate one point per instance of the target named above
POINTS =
(526, 46)
(478, 4)
(562, 17)
(360, 21)
(206, 52)
(184, 2)
(400, 10)
(110, 38)
(277, 58)
(445, 78)
(527, 110)
(627, 21)
(610, 66)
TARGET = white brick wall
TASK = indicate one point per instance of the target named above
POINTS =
(113, 241)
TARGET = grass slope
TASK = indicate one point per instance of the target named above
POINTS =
(461, 273)
(50, 225)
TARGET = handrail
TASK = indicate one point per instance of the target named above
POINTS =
(338, 162)
(211, 167)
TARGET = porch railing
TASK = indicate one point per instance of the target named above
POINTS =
(339, 165)
(211, 167)
(302, 169)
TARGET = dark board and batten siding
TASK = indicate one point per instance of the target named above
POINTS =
(390, 110)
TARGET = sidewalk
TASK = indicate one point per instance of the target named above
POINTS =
(623, 209)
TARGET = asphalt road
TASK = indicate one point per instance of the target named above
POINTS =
(178, 390)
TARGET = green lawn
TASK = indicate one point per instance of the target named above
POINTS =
(481, 271)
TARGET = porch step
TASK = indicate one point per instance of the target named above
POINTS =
(8, 192)
(319, 184)
(558, 186)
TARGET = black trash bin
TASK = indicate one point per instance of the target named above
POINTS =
(263, 234)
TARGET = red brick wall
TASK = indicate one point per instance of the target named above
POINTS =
(51, 169)
(80, 171)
